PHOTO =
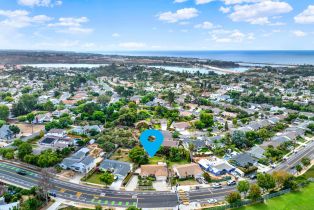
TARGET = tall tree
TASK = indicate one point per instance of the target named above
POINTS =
(266, 181)
(171, 97)
(24, 149)
(46, 182)
(30, 118)
(107, 178)
(4, 112)
(255, 192)
(243, 187)
(233, 197)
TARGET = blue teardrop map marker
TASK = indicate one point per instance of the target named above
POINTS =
(151, 147)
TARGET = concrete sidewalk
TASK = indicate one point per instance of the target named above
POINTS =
(56, 204)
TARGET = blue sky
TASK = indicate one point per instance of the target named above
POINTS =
(118, 25)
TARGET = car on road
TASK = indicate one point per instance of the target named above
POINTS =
(216, 185)
(212, 200)
(102, 194)
(21, 172)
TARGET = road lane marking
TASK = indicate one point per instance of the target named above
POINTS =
(62, 190)
(301, 156)
(78, 194)
(192, 197)
(57, 187)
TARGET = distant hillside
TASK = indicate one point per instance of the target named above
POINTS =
(42, 57)
(36, 57)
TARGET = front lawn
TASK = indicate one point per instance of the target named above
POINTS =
(303, 200)
(95, 178)
(188, 182)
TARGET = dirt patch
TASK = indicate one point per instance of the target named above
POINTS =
(26, 129)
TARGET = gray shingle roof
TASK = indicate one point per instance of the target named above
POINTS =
(88, 160)
(118, 167)
(257, 152)
(244, 159)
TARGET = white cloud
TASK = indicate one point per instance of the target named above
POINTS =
(182, 14)
(70, 21)
(224, 9)
(39, 3)
(132, 45)
(230, 2)
(306, 17)
(21, 18)
(259, 13)
(299, 33)
(59, 3)
(231, 36)
(72, 25)
(180, 1)
(76, 30)
(205, 25)
(115, 35)
(203, 1)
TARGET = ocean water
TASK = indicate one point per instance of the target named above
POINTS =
(262, 57)
(197, 69)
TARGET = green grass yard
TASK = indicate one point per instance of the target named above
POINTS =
(156, 159)
(303, 200)
(94, 178)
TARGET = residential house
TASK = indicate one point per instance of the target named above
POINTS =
(159, 171)
(5, 133)
(197, 143)
(216, 166)
(244, 160)
(188, 170)
(80, 161)
(42, 118)
(136, 99)
(118, 168)
(49, 140)
(57, 132)
(257, 152)
(84, 166)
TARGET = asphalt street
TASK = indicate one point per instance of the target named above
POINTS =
(92, 195)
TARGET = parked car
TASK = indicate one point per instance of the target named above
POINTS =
(199, 180)
(53, 194)
(253, 176)
(231, 182)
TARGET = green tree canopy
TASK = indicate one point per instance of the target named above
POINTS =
(138, 155)
(4, 112)
(107, 178)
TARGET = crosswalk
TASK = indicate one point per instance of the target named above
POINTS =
(184, 197)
